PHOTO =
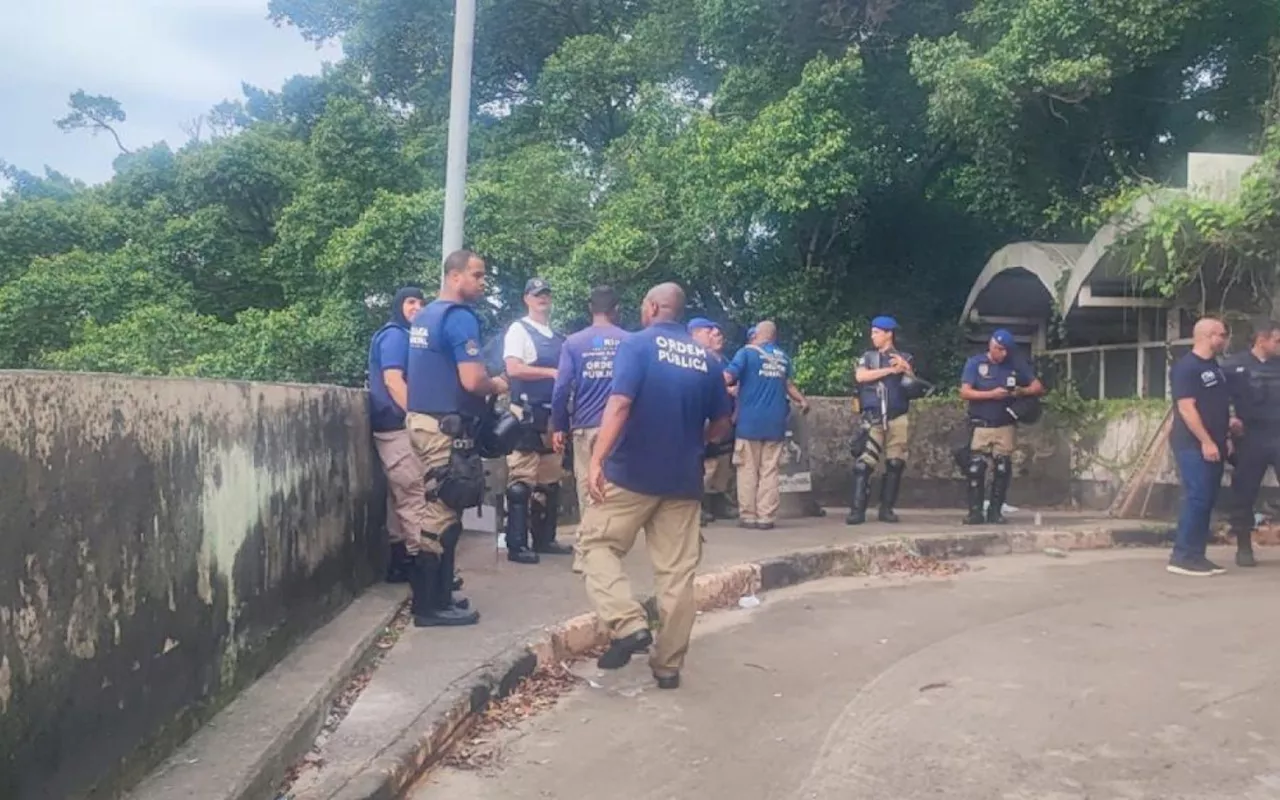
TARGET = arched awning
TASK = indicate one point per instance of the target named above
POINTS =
(1021, 280)
(1093, 263)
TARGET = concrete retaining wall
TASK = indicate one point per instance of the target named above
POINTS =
(1054, 466)
(162, 543)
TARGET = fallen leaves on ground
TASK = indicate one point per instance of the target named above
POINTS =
(908, 563)
(533, 695)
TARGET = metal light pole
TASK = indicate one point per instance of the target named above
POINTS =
(455, 185)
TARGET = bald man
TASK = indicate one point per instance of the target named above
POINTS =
(646, 473)
(1199, 441)
(762, 372)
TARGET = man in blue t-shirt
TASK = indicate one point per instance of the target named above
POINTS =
(388, 398)
(646, 473)
(762, 372)
(1200, 443)
(585, 378)
(717, 475)
(992, 382)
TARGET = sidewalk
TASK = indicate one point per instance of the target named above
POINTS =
(421, 676)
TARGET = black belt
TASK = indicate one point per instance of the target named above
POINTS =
(982, 423)
(874, 415)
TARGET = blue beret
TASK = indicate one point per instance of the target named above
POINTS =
(698, 323)
(885, 323)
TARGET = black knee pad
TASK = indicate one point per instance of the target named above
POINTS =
(1003, 464)
(977, 467)
(518, 493)
(861, 467)
(895, 465)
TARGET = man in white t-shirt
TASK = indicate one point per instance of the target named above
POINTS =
(531, 351)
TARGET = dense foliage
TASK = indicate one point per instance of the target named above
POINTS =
(812, 161)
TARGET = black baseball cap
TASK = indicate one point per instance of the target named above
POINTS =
(537, 286)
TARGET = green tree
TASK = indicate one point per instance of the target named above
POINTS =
(95, 113)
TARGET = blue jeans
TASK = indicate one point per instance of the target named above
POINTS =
(1200, 482)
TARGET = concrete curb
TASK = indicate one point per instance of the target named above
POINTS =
(250, 766)
(452, 716)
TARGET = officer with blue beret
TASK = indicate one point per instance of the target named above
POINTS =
(997, 385)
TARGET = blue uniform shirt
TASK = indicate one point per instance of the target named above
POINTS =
(1202, 380)
(389, 350)
(763, 406)
(585, 373)
(443, 335)
(674, 390)
(983, 374)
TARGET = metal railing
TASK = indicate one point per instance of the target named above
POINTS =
(1132, 369)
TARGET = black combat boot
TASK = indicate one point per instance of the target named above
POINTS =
(398, 564)
(1244, 549)
(449, 543)
(861, 494)
(889, 486)
(424, 578)
(999, 489)
(543, 519)
(977, 489)
(518, 496)
(721, 508)
(621, 650)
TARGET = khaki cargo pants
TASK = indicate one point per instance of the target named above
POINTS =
(758, 463)
(433, 449)
(584, 444)
(608, 532)
(891, 442)
(993, 441)
(716, 474)
(533, 469)
(406, 488)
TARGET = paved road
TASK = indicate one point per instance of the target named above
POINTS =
(1095, 676)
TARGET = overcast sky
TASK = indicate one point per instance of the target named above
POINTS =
(166, 61)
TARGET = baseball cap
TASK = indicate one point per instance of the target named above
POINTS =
(1003, 338)
(698, 323)
(885, 323)
(536, 286)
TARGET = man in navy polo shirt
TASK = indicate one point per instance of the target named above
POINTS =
(646, 473)
(1199, 440)
(762, 372)
(585, 376)
(990, 382)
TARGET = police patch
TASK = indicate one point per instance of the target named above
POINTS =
(984, 370)
(473, 347)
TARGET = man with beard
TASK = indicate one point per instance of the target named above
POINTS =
(448, 387)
